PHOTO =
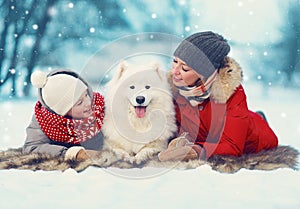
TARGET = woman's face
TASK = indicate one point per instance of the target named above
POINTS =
(82, 108)
(183, 75)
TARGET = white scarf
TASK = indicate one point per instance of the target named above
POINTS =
(197, 94)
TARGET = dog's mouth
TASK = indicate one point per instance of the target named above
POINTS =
(140, 111)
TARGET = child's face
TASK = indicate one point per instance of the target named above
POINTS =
(82, 108)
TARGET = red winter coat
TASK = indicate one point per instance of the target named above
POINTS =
(223, 124)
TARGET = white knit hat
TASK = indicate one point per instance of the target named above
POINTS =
(59, 92)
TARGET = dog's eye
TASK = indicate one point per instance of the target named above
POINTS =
(147, 87)
(132, 87)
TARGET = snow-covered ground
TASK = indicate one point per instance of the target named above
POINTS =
(194, 188)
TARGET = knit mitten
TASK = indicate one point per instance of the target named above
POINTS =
(183, 153)
(180, 141)
(182, 149)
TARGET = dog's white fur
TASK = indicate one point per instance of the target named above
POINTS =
(133, 138)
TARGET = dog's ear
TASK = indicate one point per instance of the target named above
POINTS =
(121, 69)
(157, 69)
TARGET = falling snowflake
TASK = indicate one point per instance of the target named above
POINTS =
(12, 71)
(283, 114)
(35, 26)
(71, 5)
(92, 30)
(187, 28)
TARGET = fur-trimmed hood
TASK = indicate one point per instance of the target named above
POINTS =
(228, 80)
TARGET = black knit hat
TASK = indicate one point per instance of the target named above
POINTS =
(204, 52)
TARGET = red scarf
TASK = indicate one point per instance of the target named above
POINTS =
(74, 131)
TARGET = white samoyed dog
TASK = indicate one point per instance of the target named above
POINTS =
(139, 112)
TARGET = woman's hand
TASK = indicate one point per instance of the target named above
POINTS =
(181, 149)
(183, 153)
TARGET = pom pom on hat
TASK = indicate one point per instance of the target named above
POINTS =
(38, 79)
(59, 91)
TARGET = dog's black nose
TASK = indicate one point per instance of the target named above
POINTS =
(140, 99)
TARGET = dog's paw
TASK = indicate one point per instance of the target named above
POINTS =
(105, 158)
(139, 160)
(123, 155)
(145, 154)
(129, 159)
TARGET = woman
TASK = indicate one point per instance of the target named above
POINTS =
(67, 118)
(211, 107)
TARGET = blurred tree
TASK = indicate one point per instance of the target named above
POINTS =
(42, 20)
(170, 16)
(13, 26)
(18, 17)
(111, 14)
(183, 11)
(290, 44)
(278, 61)
(33, 31)
(45, 33)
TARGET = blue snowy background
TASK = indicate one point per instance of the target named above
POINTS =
(45, 34)
(92, 36)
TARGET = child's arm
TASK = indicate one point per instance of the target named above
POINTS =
(37, 142)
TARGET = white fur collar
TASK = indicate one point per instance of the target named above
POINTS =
(229, 78)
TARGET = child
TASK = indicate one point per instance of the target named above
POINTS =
(67, 118)
(211, 106)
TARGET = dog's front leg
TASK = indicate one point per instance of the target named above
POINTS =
(145, 154)
(123, 155)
